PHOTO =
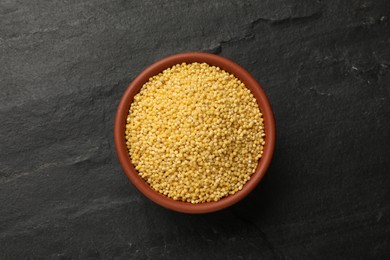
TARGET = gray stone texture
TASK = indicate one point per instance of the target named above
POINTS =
(323, 64)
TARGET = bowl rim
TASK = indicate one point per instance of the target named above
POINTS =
(157, 67)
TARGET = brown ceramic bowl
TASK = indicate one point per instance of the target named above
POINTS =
(134, 88)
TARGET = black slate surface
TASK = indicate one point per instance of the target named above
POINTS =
(325, 66)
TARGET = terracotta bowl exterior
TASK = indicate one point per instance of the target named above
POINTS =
(134, 88)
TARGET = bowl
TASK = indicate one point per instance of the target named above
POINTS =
(134, 88)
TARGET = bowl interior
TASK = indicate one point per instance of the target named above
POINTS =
(134, 88)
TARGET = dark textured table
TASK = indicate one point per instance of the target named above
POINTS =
(325, 66)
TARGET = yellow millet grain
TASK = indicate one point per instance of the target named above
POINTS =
(195, 133)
